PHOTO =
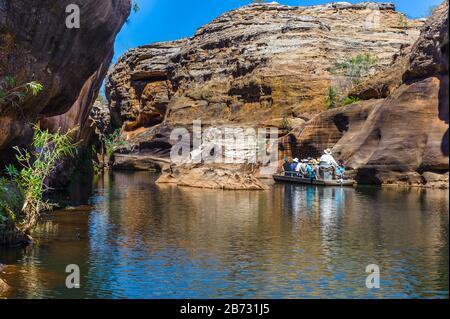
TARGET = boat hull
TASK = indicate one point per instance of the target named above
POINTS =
(308, 181)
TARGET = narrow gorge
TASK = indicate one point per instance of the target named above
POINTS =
(268, 65)
(156, 149)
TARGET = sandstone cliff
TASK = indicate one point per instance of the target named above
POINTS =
(259, 65)
(259, 62)
(70, 63)
(400, 139)
(3, 287)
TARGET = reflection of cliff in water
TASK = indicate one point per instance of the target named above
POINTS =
(147, 241)
(281, 234)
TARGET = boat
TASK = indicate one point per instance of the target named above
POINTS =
(308, 181)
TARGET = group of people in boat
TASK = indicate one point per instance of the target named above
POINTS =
(324, 168)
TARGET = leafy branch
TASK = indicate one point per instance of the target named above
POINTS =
(35, 168)
(13, 95)
(113, 142)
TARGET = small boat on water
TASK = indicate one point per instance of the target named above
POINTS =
(308, 181)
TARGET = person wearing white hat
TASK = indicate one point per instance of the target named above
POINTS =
(327, 165)
(298, 168)
(294, 165)
(328, 159)
(302, 167)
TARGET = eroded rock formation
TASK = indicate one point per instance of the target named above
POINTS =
(3, 287)
(138, 86)
(70, 63)
(403, 138)
(259, 65)
(214, 176)
(255, 63)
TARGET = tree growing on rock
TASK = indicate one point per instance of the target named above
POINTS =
(356, 68)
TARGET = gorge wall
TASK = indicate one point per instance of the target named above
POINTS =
(399, 133)
(70, 63)
(269, 65)
(259, 62)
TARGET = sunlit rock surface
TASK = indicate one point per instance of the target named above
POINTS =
(254, 63)
(402, 139)
(3, 287)
(259, 65)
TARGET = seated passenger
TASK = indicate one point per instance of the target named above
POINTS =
(294, 165)
(327, 165)
(340, 170)
(328, 159)
(311, 170)
(286, 165)
(303, 167)
(315, 166)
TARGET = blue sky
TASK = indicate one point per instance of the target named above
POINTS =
(163, 20)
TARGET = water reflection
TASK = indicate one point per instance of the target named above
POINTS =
(144, 240)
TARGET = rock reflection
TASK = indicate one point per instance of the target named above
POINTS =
(144, 240)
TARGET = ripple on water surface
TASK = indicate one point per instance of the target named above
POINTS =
(143, 240)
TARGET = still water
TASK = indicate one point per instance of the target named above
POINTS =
(142, 240)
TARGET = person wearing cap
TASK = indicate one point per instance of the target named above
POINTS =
(311, 170)
(302, 167)
(294, 165)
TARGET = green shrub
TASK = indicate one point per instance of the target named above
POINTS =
(403, 22)
(113, 142)
(285, 124)
(136, 7)
(331, 98)
(355, 68)
(350, 100)
(11, 201)
(11, 95)
(36, 166)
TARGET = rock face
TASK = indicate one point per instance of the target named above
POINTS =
(229, 177)
(138, 86)
(325, 130)
(70, 63)
(259, 65)
(402, 139)
(3, 287)
(255, 63)
(266, 61)
(101, 117)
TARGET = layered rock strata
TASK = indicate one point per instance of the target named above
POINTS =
(272, 65)
(403, 138)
